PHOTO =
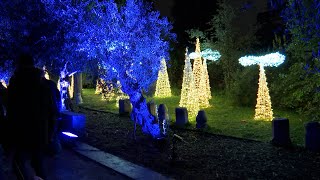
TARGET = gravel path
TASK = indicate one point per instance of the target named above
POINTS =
(200, 155)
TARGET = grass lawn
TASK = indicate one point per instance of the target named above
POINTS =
(223, 118)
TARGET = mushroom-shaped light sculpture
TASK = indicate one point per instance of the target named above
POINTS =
(263, 107)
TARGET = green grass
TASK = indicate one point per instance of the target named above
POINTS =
(223, 118)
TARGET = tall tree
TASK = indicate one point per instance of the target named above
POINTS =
(132, 41)
(298, 86)
(232, 36)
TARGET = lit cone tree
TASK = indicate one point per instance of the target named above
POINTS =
(263, 107)
(197, 66)
(204, 91)
(189, 95)
(163, 85)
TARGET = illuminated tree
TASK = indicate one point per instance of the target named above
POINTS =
(197, 67)
(263, 107)
(189, 96)
(131, 41)
(50, 30)
(204, 93)
(163, 84)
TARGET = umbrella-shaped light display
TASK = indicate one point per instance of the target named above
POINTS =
(263, 107)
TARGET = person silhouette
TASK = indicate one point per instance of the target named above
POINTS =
(3, 123)
(29, 117)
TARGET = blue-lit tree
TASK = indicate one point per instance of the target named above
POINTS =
(74, 19)
(143, 43)
(26, 25)
(298, 86)
(43, 29)
(132, 41)
(6, 70)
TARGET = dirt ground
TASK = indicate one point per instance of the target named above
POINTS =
(199, 155)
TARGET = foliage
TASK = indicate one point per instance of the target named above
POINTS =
(6, 70)
(132, 41)
(297, 86)
(244, 90)
(231, 41)
(27, 26)
(298, 90)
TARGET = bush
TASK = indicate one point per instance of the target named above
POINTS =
(243, 91)
(299, 90)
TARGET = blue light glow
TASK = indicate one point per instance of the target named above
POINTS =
(210, 54)
(6, 71)
(206, 54)
(69, 134)
(272, 59)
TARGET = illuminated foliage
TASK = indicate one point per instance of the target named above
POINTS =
(163, 84)
(130, 41)
(189, 96)
(99, 86)
(6, 70)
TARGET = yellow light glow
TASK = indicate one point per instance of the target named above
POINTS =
(98, 86)
(108, 92)
(71, 87)
(189, 94)
(197, 67)
(3, 82)
(46, 74)
(263, 107)
(121, 95)
(203, 92)
(163, 85)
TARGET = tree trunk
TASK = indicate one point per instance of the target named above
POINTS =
(78, 87)
(142, 116)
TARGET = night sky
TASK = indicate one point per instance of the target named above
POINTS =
(188, 14)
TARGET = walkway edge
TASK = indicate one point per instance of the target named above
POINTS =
(122, 166)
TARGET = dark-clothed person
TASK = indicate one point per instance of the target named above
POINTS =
(3, 122)
(54, 145)
(29, 114)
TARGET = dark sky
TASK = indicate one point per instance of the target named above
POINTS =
(187, 14)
